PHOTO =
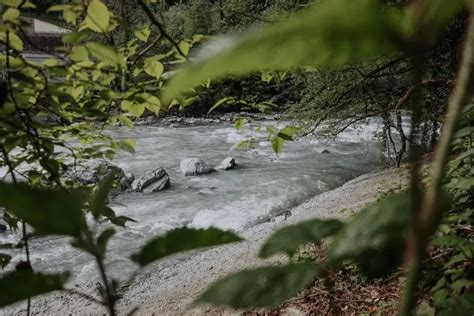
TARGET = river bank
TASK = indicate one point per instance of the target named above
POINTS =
(172, 289)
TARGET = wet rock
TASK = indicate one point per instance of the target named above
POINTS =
(3, 228)
(127, 180)
(227, 164)
(152, 181)
(325, 151)
(194, 167)
(92, 172)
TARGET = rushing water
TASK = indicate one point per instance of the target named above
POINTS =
(263, 186)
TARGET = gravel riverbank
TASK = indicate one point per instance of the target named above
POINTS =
(171, 290)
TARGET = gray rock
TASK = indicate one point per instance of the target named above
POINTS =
(194, 167)
(127, 180)
(325, 151)
(92, 172)
(152, 181)
(227, 164)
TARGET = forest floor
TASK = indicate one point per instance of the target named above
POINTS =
(170, 287)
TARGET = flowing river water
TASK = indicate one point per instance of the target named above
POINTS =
(263, 186)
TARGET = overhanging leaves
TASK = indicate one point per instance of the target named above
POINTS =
(20, 285)
(308, 39)
(47, 211)
(260, 287)
(375, 237)
(290, 238)
(182, 239)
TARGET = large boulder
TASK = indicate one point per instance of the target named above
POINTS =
(152, 181)
(194, 167)
(227, 164)
(92, 172)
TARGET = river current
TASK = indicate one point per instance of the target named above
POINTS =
(263, 186)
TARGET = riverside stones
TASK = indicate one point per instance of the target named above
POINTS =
(227, 164)
(194, 167)
(152, 181)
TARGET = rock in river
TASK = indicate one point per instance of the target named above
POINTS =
(92, 172)
(227, 164)
(152, 181)
(194, 167)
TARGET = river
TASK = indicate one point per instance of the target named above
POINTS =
(264, 185)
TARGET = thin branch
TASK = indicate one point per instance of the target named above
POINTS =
(160, 27)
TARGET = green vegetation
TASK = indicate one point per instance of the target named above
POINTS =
(333, 62)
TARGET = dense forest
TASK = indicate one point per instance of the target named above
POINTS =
(322, 66)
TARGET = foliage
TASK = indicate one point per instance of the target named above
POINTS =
(52, 119)
(304, 40)
(113, 66)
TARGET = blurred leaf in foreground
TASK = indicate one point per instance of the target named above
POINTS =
(20, 285)
(375, 237)
(289, 239)
(261, 287)
(326, 35)
(47, 211)
(182, 239)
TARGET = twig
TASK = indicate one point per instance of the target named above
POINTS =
(160, 27)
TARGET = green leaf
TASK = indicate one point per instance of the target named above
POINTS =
(239, 123)
(47, 211)
(100, 197)
(106, 54)
(182, 239)
(11, 15)
(290, 238)
(4, 260)
(375, 237)
(312, 38)
(143, 34)
(277, 144)
(221, 102)
(98, 17)
(288, 133)
(79, 53)
(154, 69)
(261, 287)
(128, 145)
(14, 41)
(20, 285)
(125, 121)
(136, 109)
(103, 240)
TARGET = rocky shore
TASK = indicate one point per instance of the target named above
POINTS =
(211, 119)
(169, 289)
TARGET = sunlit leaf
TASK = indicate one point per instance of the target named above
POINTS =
(182, 239)
(20, 285)
(277, 144)
(128, 144)
(107, 54)
(239, 123)
(261, 287)
(98, 17)
(154, 69)
(290, 238)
